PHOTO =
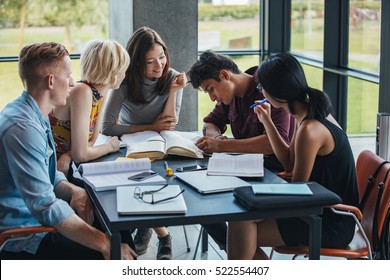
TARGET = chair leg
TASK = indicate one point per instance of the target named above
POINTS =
(198, 242)
(271, 254)
(205, 241)
(186, 238)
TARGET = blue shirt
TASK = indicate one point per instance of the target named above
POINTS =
(28, 172)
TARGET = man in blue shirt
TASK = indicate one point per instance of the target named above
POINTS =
(32, 191)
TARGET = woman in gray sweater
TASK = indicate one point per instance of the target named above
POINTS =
(149, 98)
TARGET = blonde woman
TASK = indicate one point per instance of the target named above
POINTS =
(76, 125)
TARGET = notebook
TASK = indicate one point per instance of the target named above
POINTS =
(242, 165)
(204, 183)
(127, 204)
(282, 189)
(108, 175)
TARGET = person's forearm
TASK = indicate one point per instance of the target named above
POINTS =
(64, 190)
(92, 152)
(77, 230)
(258, 144)
(210, 129)
(279, 146)
(170, 106)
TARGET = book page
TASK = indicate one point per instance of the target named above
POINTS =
(102, 182)
(182, 143)
(109, 167)
(144, 144)
(238, 164)
(152, 150)
(139, 137)
(101, 139)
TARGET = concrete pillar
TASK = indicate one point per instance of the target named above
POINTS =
(177, 23)
(120, 23)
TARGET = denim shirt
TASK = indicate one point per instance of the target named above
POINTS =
(28, 172)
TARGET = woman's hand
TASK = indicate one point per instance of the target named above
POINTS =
(263, 112)
(113, 143)
(179, 82)
(164, 123)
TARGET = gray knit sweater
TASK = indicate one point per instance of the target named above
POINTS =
(135, 114)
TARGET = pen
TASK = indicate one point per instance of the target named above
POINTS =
(168, 170)
(258, 103)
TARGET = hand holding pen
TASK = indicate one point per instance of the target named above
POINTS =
(263, 112)
(258, 103)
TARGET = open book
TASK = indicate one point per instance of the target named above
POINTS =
(156, 145)
(243, 165)
(110, 174)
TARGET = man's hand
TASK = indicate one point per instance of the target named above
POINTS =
(63, 163)
(81, 204)
(210, 144)
(127, 253)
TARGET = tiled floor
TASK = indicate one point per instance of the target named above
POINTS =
(214, 253)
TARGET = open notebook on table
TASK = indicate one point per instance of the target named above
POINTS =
(129, 204)
(204, 183)
(110, 174)
(242, 165)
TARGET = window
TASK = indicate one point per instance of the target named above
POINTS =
(71, 23)
(364, 35)
(307, 28)
(230, 26)
(355, 63)
(363, 106)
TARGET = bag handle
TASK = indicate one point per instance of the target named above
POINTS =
(370, 182)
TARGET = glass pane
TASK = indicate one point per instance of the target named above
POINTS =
(307, 28)
(364, 34)
(11, 85)
(313, 76)
(363, 98)
(228, 25)
(205, 105)
(71, 23)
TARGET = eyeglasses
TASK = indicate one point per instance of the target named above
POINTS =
(148, 196)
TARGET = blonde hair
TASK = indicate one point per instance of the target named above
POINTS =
(101, 60)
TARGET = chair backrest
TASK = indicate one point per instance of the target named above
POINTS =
(366, 165)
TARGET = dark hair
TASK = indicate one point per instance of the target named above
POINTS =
(35, 57)
(142, 41)
(282, 77)
(208, 67)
